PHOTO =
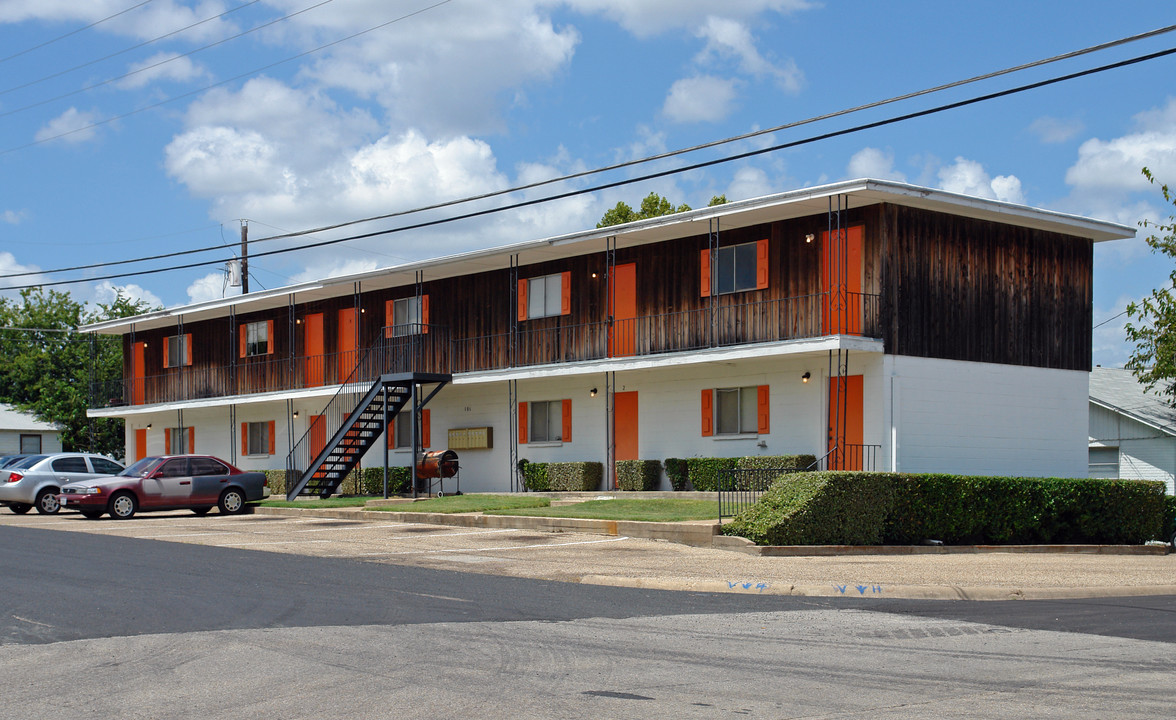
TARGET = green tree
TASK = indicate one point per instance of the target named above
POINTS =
(653, 205)
(47, 368)
(1152, 327)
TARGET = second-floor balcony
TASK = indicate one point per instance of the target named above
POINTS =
(552, 341)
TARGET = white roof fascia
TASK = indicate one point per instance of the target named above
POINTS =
(1166, 429)
(741, 213)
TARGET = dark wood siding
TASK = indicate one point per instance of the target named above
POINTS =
(964, 289)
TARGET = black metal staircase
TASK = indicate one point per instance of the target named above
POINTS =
(371, 410)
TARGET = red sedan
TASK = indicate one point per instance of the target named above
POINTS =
(169, 482)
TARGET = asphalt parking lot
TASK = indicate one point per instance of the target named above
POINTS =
(633, 562)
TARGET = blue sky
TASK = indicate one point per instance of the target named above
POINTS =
(461, 97)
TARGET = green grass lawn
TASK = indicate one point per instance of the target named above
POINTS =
(651, 510)
(334, 502)
(468, 503)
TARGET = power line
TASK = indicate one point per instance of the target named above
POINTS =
(651, 176)
(632, 163)
(165, 61)
(72, 32)
(254, 71)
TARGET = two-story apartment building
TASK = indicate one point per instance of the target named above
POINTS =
(876, 323)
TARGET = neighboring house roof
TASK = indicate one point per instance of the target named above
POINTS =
(1117, 389)
(14, 419)
(741, 213)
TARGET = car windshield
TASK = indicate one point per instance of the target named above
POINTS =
(28, 462)
(141, 468)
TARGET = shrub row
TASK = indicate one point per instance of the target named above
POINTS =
(870, 508)
(399, 481)
(561, 476)
(705, 474)
(638, 474)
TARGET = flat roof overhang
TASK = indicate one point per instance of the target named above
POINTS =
(744, 213)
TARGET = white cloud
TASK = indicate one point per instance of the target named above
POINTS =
(730, 38)
(749, 182)
(106, 292)
(1055, 130)
(1109, 346)
(1115, 164)
(9, 267)
(13, 217)
(874, 163)
(72, 126)
(969, 178)
(651, 17)
(150, 21)
(703, 98)
(336, 269)
(162, 66)
(213, 286)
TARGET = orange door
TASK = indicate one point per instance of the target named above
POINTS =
(841, 282)
(138, 365)
(348, 343)
(625, 427)
(845, 423)
(313, 350)
(140, 444)
(623, 307)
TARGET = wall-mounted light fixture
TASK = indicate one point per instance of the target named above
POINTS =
(298, 321)
(592, 392)
(809, 238)
(805, 378)
(593, 276)
(148, 426)
(295, 414)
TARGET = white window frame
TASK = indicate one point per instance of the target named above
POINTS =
(411, 308)
(545, 296)
(257, 339)
(553, 421)
(176, 348)
(728, 261)
(257, 437)
(746, 400)
(1103, 466)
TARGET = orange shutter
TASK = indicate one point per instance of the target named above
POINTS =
(272, 434)
(167, 441)
(705, 272)
(567, 421)
(244, 438)
(426, 434)
(708, 413)
(269, 335)
(188, 349)
(522, 423)
(522, 299)
(425, 313)
(761, 264)
(140, 444)
(389, 317)
(242, 340)
(565, 290)
(166, 354)
(191, 439)
(762, 413)
(391, 433)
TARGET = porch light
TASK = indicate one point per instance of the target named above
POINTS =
(148, 426)
(809, 238)
(805, 378)
(592, 392)
(295, 414)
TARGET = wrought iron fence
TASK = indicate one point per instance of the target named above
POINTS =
(740, 489)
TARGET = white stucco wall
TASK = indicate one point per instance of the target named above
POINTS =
(987, 419)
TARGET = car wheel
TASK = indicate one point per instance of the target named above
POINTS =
(202, 510)
(92, 514)
(47, 501)
(20, 508)
(123, 506)
(232, 501)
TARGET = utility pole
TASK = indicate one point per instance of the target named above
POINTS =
(244, 257)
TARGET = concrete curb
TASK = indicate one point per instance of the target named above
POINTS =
(878, 591)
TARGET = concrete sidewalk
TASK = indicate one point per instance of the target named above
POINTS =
(692, 556)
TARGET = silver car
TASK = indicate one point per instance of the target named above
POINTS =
(36, 480)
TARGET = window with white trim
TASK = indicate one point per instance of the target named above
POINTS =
(546, 421)
(406, 317)
(257, 339)
(1104, 462)
(257, 438)
(735, 268)
(177, 350)
(545, 296)
(736, 410)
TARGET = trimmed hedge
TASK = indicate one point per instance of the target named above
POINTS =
(278, 484)
(276, 479)
(677, 472)
(896, 508)
(399, 481)
(705, 473)
(776, 462)
(638, 474)
(535, 476)
(573, 476)
(1169, 518)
